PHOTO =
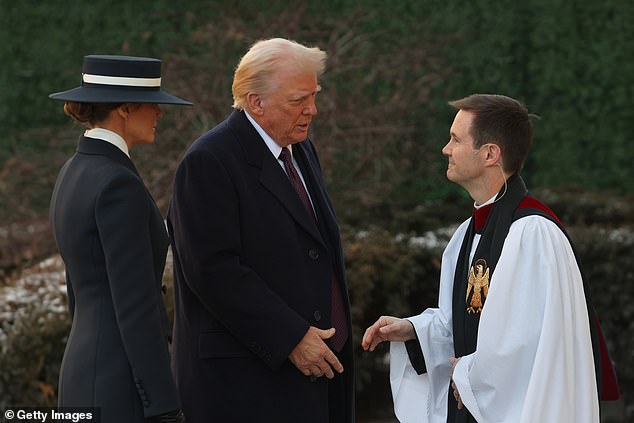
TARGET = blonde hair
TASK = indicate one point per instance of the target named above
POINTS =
(267, 57)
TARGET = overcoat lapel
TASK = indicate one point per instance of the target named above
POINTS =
(272, 177)
(325, 214)
(104, 148)
(327, 220)
(316, 189)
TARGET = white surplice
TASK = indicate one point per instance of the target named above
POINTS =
(533, 361)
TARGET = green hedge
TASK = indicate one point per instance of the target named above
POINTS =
(383, 110)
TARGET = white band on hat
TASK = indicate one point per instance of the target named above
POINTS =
(121, 80)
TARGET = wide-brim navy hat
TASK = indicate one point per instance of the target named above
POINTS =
(120, 79)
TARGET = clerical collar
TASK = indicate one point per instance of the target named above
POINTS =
(481, 213)
(108, 136)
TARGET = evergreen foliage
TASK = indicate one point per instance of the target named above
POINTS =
(393, 66)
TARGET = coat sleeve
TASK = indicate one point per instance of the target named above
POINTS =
(205, 220)
(533, 361)
(122, 213)
(71, 297)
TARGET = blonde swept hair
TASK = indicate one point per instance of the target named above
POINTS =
(267, 57)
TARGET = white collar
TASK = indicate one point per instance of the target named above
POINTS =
(275, 148)
(109, 136)
(491, 200)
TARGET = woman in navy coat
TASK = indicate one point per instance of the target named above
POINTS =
(113, 241)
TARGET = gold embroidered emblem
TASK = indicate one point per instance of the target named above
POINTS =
(478, 284)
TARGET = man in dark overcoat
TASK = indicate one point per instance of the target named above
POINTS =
(262, 320)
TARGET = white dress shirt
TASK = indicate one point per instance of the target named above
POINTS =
(109, 136)
(276, 149)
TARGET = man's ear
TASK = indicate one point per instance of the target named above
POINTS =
(494, 154)
(255, 104)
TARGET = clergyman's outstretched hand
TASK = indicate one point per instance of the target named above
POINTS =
(387, 328)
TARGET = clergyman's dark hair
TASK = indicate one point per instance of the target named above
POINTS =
(503, 121)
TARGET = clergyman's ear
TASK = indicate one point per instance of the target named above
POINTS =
(494, 152)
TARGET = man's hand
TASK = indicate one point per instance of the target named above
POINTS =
(456, 394)
(313, 357)
(387, 328)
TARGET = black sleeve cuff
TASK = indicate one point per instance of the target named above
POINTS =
(415, 354)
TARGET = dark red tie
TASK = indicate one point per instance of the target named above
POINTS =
(338, 317)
